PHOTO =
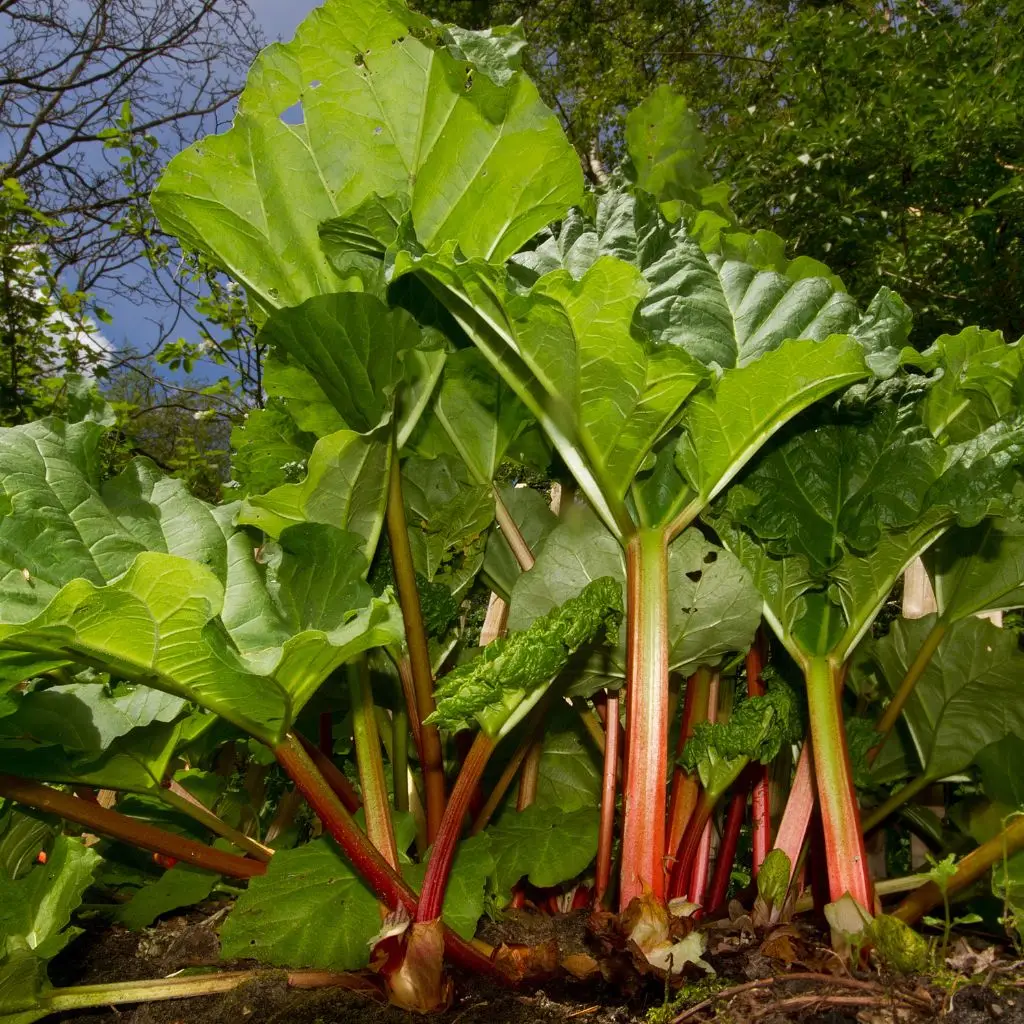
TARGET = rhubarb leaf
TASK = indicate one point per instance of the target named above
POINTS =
(270, 920)
(474, 415)
(345, 486)
(86, 718)
(179, 886)
(544, 845)
(1002, 771)
(268, 450)
(969, 696)
(511, 673)
(136, 763)
(36, 909)
(978, 569)
(569, 349)
(484, 165)
(569, 774)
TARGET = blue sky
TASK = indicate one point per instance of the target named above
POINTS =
(133, 325)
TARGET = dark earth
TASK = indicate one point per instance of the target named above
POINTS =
(981, 986)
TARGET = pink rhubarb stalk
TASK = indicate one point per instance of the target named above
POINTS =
(643, 839)
(761, 828)
(840, 814)
(606, 833)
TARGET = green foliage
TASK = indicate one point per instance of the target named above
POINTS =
(755, 731)
(511, 673)
(899, 946)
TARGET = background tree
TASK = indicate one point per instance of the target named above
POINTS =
(898, 122)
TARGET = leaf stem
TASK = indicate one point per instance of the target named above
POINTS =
(837, 800)
(443, 851)
(419, 654)
(388, 886)
(730, 842)
(176, 796)
(895, 801)
(999, 848)
(796, 818)
(333, 775)
(892, 713)
(379, 826)
(511, 532)
(120, 826)
(643, 839)
(606, 832)
(400, 754)
(686, 787)
(81, 997)
(761, 820)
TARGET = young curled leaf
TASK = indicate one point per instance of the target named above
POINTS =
(756, 730)
(514, 671)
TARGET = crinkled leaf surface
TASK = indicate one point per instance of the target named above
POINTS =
(722, 311)
(971, 694)
(382, 107)
(268, 450)
(714, 609)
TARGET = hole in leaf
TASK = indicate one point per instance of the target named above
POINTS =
(711, 556)
(360, 60)
(315, 84)
(695, 575)
(293, 115)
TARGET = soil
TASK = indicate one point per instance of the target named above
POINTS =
(982, 988)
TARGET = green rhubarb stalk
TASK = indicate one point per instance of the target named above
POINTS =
(897, 800)
(379, 826)
(119, 826)
(840, 815)
(176, 796)
(647, 696)
(400, 754)
(976, 864)
(120, 993)
(892, 713)
(422, 708)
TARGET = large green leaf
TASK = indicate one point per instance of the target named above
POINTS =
(726, 425)
(714, 609)
(982, 381)
(179, 886)
(136, 763)
(978, 569)
(569, 348)
(86, 718)
(474, 414)
(36, 909)
(484, 165)
(270, 920)
(543, 844)
(345, 486)
(971, 694)
(353, 346)
(722, 311)
(268, 450)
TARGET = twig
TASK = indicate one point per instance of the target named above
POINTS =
(798, 1002)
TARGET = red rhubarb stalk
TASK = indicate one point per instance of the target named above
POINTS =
(730, 841)
(685, 787)
(443, 851)
(333, 775)
(837, 800)
(606, 834)
(388, 886)
(761, 822)
(796, 818)
(119, 826)
(680, 882)
(643, 839)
